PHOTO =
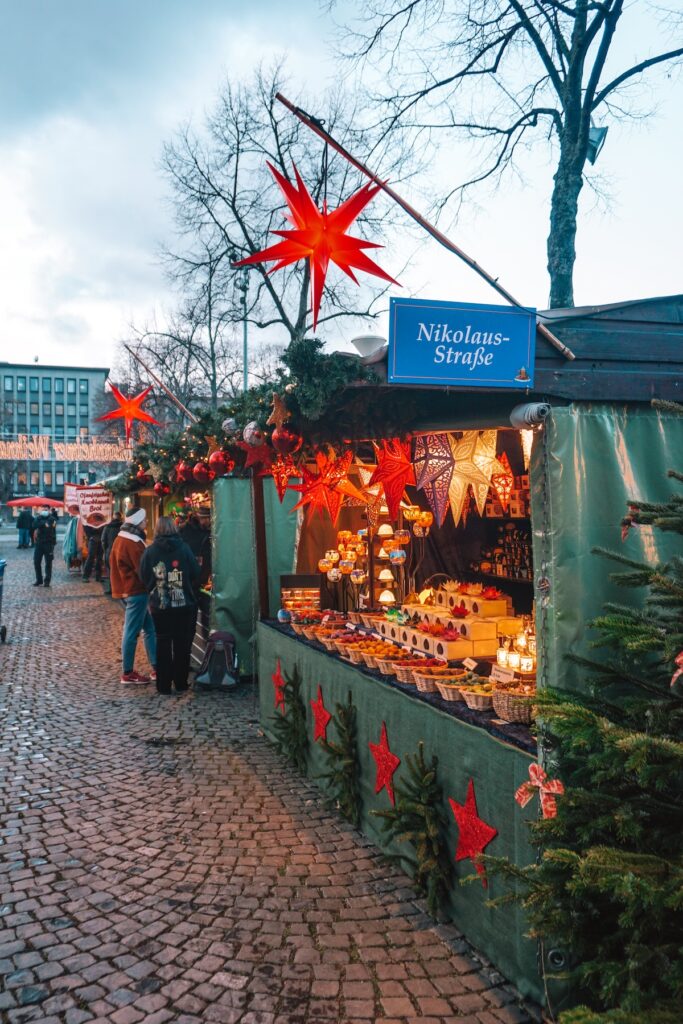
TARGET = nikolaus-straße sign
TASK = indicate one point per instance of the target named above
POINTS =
(461, 344)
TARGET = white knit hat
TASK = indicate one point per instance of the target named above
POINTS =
(137, 518)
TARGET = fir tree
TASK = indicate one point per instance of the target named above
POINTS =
(291, 738)
(343, 774)
(608, 887)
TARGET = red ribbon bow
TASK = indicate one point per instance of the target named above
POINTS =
(548, 789)
(679, 668)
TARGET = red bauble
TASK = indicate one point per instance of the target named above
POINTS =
(142, 476)
(286, 441)
(183, 472)
(202, 473)
(221, 463)
(161, 489)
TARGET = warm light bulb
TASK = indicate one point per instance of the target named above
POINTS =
(514, 659)
(386, 576)
(387, 597)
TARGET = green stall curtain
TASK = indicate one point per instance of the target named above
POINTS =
(596, 458)
(235, 589)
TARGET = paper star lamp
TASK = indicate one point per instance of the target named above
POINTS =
(129, 410)
(279, 414)
(502, 481)
(282, 470)
(321, 717)
(527, 439)
(485, 460)
(320, 236)
(474, 834)
(325, 490)
(394, 471)
(433, 461)
(465, 471)
(279, 687)
(372, 498)
(386, 763)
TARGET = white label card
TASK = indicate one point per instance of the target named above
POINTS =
(470, 664)
(502, 675)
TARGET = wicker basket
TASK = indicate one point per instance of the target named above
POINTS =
(329, 643)
(450, 691)
(355, 656)
(425, 684)
(370, 660)
(478, 701)
(512, 707)
(297, 627)
(355, 617)
(387, 666)
(404, 673)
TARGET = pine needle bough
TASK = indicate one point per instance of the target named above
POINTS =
(291, 735)
(343, 773)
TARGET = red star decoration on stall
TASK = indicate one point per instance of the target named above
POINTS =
(394, 471)
(474, 834)
(282, 470)
(279, 685)
(325, 489)
(386, 762)
(257, 455)
(320, 237)
(322, 717)
(129, 410)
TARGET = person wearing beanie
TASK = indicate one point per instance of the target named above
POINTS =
(126, 585)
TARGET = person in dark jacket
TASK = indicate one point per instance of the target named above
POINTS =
(45, 538)
(94, 560)
(109, 535)
(170, 572)
(24, 526)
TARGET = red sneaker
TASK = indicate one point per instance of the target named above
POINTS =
(134, 679)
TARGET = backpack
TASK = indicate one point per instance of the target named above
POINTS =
(220, 667)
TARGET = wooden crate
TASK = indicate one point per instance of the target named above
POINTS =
(475, 628)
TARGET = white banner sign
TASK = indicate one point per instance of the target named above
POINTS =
(94, 505)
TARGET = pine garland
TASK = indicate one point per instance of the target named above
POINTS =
(291, 734)
(343, 774)
(418, 819)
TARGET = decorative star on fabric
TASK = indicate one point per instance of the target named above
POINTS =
(485, 459)
(320, 237)
(321, 717)
(129, 410)
(394, 471)
(548, 790)
(502, 481)
(279, 414)
(386, 763)
(279, 686)
(282, 470)
(433, 462)
(324, 490)
(466, 472)
(474, 834)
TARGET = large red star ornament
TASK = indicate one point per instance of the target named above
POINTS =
(257, 454)
(279, 686)
(129, 410)
(281, 470)
(321, 717)
(474, 834)
(320, 237)
(325, 489)
(394, 471)
(386, 762)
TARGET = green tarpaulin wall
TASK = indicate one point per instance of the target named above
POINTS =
(235, 606)
(598, 457)
(464, 753)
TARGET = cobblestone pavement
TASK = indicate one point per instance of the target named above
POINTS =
(158, 863)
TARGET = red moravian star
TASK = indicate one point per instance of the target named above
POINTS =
(320, 236)
(129, 409)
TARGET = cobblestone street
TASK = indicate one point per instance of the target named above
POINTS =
(158, 862)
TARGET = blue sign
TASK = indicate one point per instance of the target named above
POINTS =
(461, 344)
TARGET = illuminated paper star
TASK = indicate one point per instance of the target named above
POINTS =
(321, 716)
(279, 687)
(433, 461)
(282, 470)
(129, 409)
(372, 496)
(394, 471)
(502, 481)
(485, 459)
(474, 834)
(320, 237)
(465, 471)
(279, 414)
(386, 763)
(325, 490)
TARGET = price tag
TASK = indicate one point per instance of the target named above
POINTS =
(325, 619)
(470, 664)
(502, 675)
(351, 625)
(378, 636)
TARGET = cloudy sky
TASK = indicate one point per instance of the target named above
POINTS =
(90, 89)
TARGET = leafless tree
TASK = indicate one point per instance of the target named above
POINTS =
(494, 71)
(227, 203)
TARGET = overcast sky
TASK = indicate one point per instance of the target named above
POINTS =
(90, 89)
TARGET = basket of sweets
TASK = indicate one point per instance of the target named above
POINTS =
(354, 654)
(477, 692)
(514, 705)
(450, 688)
(298, 627)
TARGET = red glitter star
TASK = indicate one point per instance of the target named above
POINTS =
(394, 472)
(386, 762)
(129, 409)
(474, 834)
(322, 717)
(279, 685)
(326, 488)
(257, 454)
(282, 469)
(320, 237)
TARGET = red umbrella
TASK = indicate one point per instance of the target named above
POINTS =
(35, 502)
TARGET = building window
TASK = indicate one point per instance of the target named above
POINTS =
(59, 385)
(21, 408)
(59, 409)
(9, 406)
(21, 383)
(83, 386)
(71, 410)
(33, 381)
(9, 383)
(47, 385)
(47, 478)
(59, 433)
(35, 479)
(21, 478)
(71, 386)
(34, 408)
(47, 409)
(83, 431)
(84, 412)
(35, 428)
(59, 478)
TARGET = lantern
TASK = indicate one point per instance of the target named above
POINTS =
(383, 553)
(385, 530)
(514, 659)
(411, 513)
(402, 537)
(385, 576)
(526, 663)
(425, 519)
(357, 577)
(397, 557)
(387, 597)
(325, 564)
(344, 536)
(346, 566)
(334, 575)
(332, 555)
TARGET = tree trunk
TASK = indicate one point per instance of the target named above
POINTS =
(568, 182)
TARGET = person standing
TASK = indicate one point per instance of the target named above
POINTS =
(24, 525)
(170, 572)
(94, 559)
(45, 538)
(109, 534)
(126, 585)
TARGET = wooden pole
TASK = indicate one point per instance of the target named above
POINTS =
(176, 401)
(261, 552)
(316, 126)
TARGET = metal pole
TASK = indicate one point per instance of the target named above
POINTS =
(245, 344)
(316, 126)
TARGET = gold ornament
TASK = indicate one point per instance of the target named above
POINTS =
(213, 444)
(279, 414)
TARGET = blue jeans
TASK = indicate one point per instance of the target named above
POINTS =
(24, 538)
(137, 619)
